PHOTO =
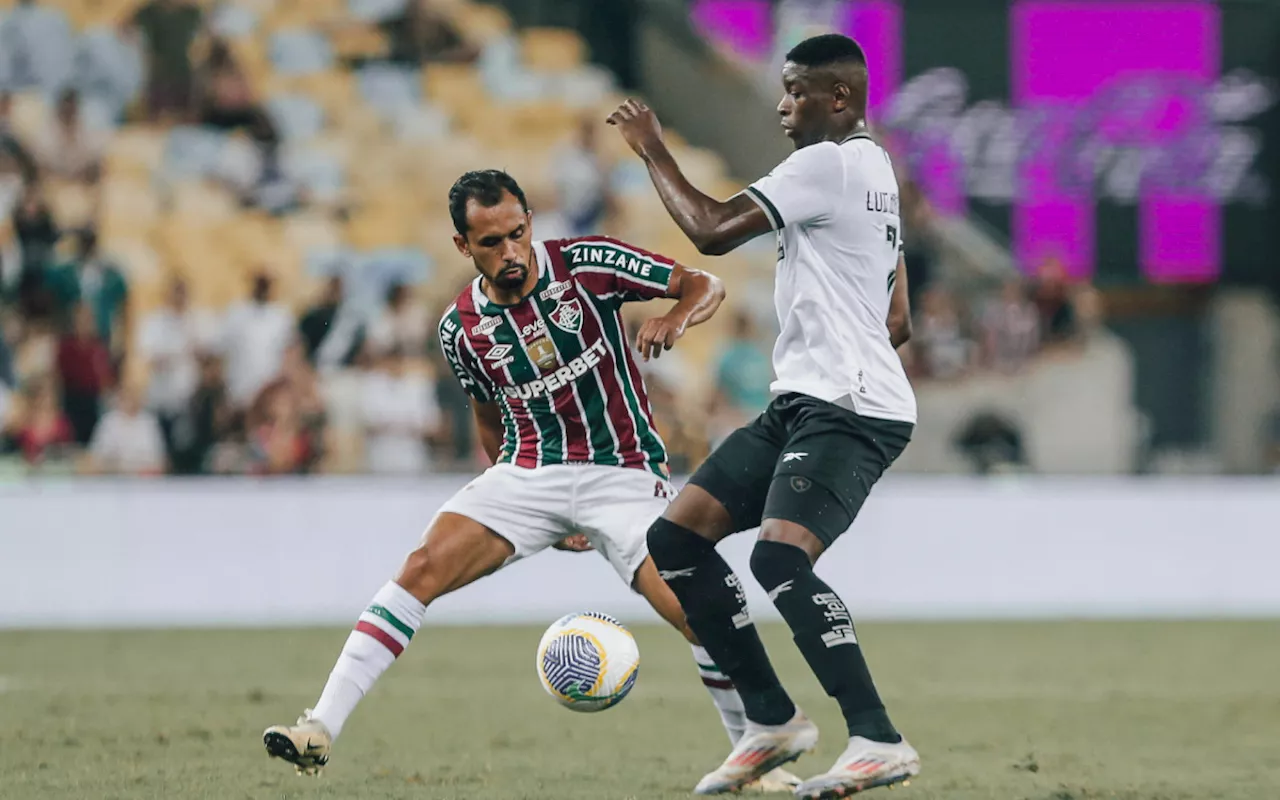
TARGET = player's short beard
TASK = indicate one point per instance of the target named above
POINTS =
(508, 282)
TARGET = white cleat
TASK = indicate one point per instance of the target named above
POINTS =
(762, 749)
(864, 765)
(777, 781)
(305, 745)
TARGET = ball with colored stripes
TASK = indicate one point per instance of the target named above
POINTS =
(588, 662)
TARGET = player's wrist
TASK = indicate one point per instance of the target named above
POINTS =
(652, 152)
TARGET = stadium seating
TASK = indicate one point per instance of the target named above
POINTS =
(372, 147)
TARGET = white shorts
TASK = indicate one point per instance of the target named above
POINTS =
(535, 508)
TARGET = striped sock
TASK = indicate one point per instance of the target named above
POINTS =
(380, 636)
(723, 694)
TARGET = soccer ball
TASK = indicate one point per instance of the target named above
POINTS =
(588, 662)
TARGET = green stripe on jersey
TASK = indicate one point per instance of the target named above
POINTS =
(650, 442)
(541, 409)
(595, 409)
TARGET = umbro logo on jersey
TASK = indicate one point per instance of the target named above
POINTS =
(499, 355)
(554, 290)
(486, 326)
(792, 457)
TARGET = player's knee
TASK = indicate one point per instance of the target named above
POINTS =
(775, 563)
(673, 546)
(422, 575)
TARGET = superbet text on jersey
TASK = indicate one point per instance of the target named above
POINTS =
(558, 363)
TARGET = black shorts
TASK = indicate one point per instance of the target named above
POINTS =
(805, 461)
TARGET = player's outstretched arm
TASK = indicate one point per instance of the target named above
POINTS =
(714, 227)
(698, 294)
(489, 424)
(899, 320)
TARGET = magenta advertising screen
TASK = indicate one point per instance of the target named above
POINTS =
(1109, 132)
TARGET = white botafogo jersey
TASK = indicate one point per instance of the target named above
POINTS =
(835, 208)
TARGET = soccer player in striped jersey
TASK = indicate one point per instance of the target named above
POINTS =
(537, 341)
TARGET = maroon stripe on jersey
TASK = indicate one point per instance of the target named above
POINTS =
(629, 450)
(642, 391)
(577, 439)
(526, 454)
(598, 283)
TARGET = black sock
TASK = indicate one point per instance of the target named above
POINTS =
(823, 631)
(716, 607)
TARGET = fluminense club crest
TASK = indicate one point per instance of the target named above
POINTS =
(567, 315)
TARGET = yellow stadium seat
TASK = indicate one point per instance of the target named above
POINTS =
(30, 115)
(552, 49)
(127, 205)
(312, 232)
(379, 227)
(454, 87)
(201, 202)
(479, 23)
(74, 205)
(356, 40)
(139, 260)
(135, 150)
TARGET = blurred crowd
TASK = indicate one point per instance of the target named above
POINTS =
(237, 389)
(110, 365)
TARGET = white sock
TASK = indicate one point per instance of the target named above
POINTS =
(723, 694)
(381, 634)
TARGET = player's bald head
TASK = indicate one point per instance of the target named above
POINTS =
(835, 64)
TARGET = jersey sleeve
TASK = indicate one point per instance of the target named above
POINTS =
(465, 369)
(614, 270)
(804, 188)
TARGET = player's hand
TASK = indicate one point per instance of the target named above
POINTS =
(577, 543)
(658, 334)
(638, 125)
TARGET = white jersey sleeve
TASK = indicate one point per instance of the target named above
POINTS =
(803, 188)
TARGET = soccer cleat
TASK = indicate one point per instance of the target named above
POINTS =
(305, 745)
(863, 765)
(777, 781)
(761, 749)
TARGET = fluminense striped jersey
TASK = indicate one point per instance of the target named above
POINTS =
(558, 362)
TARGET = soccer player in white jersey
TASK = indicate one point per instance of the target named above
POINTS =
(843, 412)
(538, 342)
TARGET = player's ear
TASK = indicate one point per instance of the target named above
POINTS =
(840, 95)
(460, 242)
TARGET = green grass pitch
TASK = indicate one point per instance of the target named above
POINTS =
(1025, 711)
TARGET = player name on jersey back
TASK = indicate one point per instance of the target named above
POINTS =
(558, 362)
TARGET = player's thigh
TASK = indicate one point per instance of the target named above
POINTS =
(456, 550)
(727, 493)
(614, 507)
(831, 461)
(528, 508)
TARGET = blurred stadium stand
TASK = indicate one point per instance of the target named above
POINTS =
(292, 142)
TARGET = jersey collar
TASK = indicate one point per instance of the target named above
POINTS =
(858, 135)
(486, 306)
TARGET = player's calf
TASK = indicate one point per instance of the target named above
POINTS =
(716, 607)
(824, 633)
(456, 551)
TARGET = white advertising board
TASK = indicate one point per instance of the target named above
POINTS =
(245, 552)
